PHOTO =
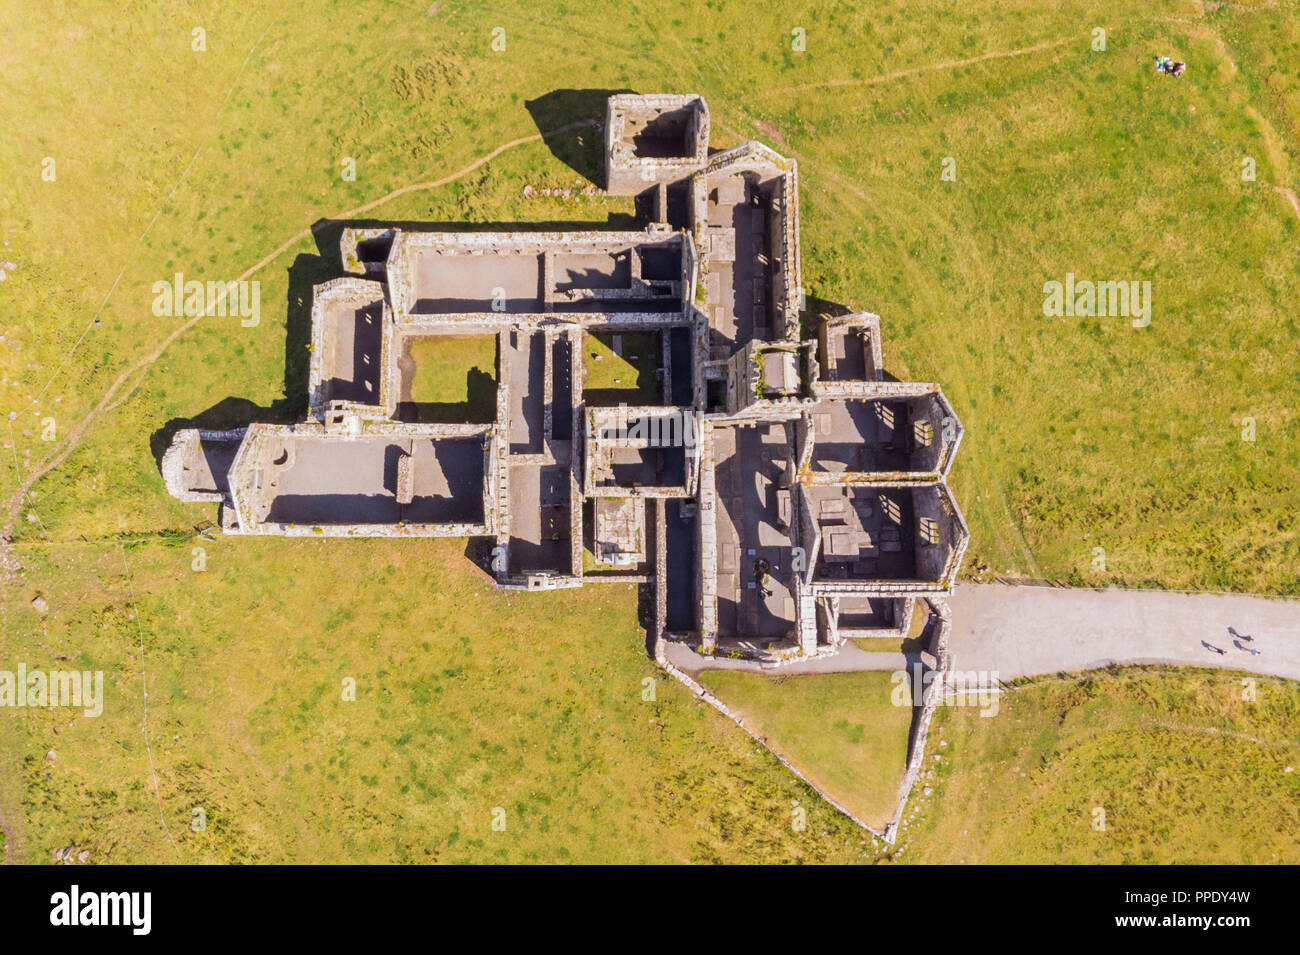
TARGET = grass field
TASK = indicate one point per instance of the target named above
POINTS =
(152, 157)
(467, 700)
(1184, 769)
(843, 728)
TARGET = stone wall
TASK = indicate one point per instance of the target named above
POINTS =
(183, 454)
(939, 561)
(252, 467)
(865, 323)
(902, 616)
(933, 694)
(349, 293)
(348, 250)
(707, 541)
(626, 173)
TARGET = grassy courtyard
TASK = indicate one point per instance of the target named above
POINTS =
(625, 376)
(453, 378)
(843, 730)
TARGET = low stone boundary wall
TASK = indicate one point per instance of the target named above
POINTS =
(703, 693)
(934, 692)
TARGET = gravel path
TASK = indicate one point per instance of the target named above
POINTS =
(1025, 631)
(1031, 631)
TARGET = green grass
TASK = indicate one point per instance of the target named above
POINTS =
(843, 731)
(1185, 770)
(454, 378)
(466, 700)
(627, 378)
(1080, 433)
(881, 644)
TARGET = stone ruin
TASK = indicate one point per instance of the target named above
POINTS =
(777, 493)
(801, 496)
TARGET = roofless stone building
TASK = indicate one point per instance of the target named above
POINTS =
(778, 494)
(776, 490)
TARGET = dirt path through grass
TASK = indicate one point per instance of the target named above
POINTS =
(933, 67)
(1290, 196)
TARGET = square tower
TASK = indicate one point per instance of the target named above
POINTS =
(653, 139)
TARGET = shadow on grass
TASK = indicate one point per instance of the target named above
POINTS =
(479, 407)
(641, 394)
(640, 353)
(580, 147)
(235, 412)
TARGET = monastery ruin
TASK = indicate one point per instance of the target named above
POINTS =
(777, 494)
